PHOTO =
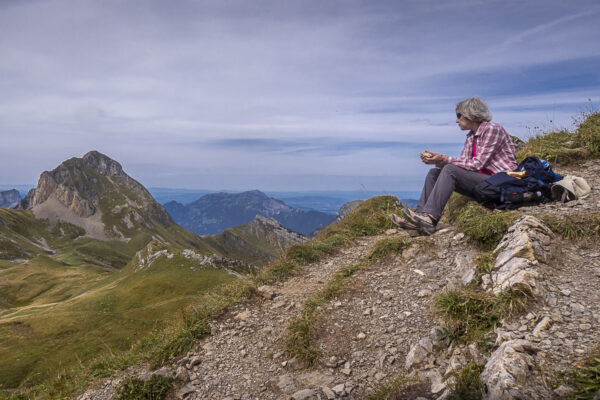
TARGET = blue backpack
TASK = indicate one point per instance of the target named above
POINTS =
(506, 192)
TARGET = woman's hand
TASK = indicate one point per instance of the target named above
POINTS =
(429, 157)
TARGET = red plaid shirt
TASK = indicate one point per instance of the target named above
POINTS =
(495, 150)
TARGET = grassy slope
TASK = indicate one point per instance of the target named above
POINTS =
(254, 244)
(38, 336)
(110, 317)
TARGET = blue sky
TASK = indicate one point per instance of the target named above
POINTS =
(281, 95)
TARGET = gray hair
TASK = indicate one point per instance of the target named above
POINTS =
(474, 109)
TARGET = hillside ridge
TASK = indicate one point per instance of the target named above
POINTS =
(382, 331)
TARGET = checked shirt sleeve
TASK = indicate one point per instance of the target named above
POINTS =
(490, 145)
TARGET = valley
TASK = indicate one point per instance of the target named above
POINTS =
(91, 263)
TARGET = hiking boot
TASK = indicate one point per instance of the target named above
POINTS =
(425, 223)
(403, 223)
(409, 214)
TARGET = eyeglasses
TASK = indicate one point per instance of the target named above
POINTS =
(458, 115)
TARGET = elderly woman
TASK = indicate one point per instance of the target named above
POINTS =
(488, 149)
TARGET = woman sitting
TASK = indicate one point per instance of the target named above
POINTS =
(488, 149)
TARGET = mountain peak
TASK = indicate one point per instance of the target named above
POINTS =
(95, 193)
(104, 164)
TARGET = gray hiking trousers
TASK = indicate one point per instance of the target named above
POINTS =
(439, 185)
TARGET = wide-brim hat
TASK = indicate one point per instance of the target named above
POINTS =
(570, 188)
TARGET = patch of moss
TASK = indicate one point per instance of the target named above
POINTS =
(369, 218)
(467, 385)
(156, 388)
(484, 263)
(560, 147)
(384, 390)
(588, 134)
(575, 226)
(472, 313)
(564, 147)
(586, 378)
(387, 246)
(482, 226)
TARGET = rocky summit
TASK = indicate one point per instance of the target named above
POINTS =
(213, 213)
(94, 192)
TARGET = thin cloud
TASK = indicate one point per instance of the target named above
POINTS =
(223, 88)
(321, 146)
(536, 30)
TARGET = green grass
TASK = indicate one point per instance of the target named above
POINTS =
(368, 218)
(385, 247)
(388, 387)
(481, 226)
(109, 318)
(588, 134)
(586, 378)
(576, 226)
(558, 147)
(44, 280)
(471, 313)
(564, 147)
(467, 385)
(484, 264)
(156, 388)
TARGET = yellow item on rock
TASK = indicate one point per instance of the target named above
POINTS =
(426, 154)
(516, 174)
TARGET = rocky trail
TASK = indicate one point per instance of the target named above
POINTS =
(383, 327)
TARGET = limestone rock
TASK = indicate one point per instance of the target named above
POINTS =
(328, 393)
(526, 238)
(510, 373)
(285, 383)
(340, 389)
(304, 394)
(418, 353)
(186, 390)
(517, 273)
(315, 378)
(524, 244)
(541, 326)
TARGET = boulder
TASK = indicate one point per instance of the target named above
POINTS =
(510, 373)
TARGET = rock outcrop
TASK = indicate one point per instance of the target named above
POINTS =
(526, 244)
(510, 373)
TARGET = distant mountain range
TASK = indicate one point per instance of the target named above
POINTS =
(9, 198)
(328, 201)
(213, 213)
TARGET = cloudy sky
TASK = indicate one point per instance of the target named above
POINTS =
(281, 95)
